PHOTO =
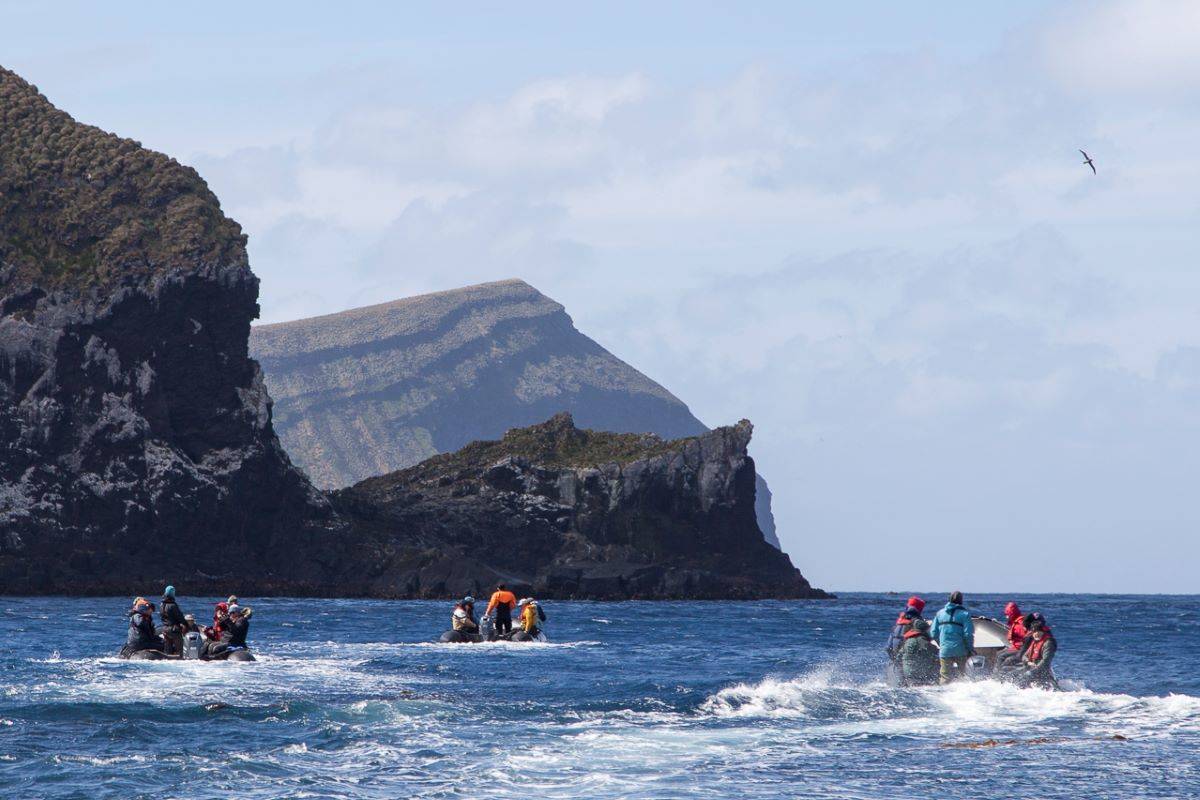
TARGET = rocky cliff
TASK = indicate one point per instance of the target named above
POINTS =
(137, 446)
(133, 424)
(564, 512)
(376, 389)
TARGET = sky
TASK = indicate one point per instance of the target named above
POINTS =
(866, 227)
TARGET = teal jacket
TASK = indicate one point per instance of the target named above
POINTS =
(953, 631)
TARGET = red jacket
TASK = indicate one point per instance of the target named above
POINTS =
(1016, 626)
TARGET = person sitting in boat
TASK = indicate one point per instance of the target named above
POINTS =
(189, 624)
(463, 618)
(141, 635)
(531, 616)
(1016, 637)
(502, 604)
(903, 624)
(1016, 626)
(918, 656)
(954, 632)
(220, 617)
(233, 631)
(1037, 654)
(172, 623)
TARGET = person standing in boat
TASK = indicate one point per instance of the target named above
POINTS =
(172, 623)
(955, 634)
(910, 614)
(502, 603)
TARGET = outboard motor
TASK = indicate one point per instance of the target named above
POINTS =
(977, 668)
(487, 628)
(193, 642)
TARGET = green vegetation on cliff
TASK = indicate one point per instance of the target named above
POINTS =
(83, 208)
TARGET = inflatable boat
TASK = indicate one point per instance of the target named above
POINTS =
(488, 633)
(193, 650)
(991, 640)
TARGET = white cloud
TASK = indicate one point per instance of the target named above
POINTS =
(1132, 46)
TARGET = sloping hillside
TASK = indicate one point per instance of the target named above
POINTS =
(376, 389)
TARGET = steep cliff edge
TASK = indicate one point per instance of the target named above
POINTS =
(137, 446)
(376, 389)
(575, 513)
(133, 424)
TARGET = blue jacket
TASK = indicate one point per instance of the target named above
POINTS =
(953, 631)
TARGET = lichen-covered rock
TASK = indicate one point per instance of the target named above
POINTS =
(575, 513)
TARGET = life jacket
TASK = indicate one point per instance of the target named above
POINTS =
(912, 633)
(462, 620)
(1016, 633)
(1034, 653)
(529, 618)
(904, 618)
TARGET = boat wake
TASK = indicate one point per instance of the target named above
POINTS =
(983, 707)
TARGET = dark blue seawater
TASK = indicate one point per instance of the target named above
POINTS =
(631, 700)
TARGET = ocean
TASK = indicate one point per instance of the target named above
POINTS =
(354, 699)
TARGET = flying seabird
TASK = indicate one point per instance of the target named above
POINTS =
(1088, 160)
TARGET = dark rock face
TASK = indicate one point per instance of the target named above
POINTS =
(564, 512)
(135, 431)
(377, 389)
(137, 447)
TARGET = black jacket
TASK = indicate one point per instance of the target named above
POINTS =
(170, 613)
(233, 632)
(141, 633)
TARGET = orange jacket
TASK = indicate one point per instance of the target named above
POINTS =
(502, 596)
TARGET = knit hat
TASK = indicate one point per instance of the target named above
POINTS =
(189, 617)
(234, 608)
(169, 591)
(232, 600)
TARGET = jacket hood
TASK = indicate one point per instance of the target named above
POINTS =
(1012, 612)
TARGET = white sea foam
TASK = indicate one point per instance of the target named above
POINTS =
(983, 706)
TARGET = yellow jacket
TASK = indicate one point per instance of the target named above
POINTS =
(529, 618)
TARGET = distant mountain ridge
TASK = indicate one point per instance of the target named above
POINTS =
(371, 390)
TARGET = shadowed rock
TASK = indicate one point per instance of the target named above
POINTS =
(576, 513)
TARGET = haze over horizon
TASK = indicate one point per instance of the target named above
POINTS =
(970, 362)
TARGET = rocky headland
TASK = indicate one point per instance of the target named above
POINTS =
(576, 513)
(377, 389)
(137, 444)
